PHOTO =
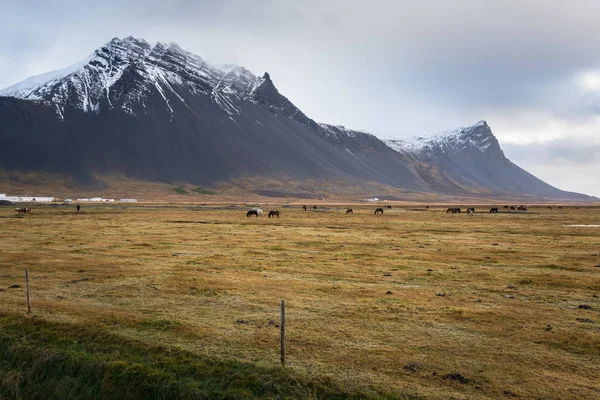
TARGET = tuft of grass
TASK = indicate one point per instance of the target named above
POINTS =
(202, 190)
(179, 190)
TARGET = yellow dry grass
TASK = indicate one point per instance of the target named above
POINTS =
(473, 296)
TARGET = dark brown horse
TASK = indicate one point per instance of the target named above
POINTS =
(505, 208)
(251, 213)
(521, 208)
(349, 211)
(427, 207)
(314, 207)
(388, 207)
(378, 211)
(274, 214)
(512, 208)
(78, 207)
(549, 208)
(493, 210)
(304, 208)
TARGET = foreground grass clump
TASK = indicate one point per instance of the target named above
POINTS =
(39, 359)
(183, 300)
(202, 190)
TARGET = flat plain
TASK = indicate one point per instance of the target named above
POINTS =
(183, 301)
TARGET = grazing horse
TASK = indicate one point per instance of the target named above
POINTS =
(274, 214)
(304, 208)
(505, 208)
(453, 210)
(257, 209)
(427, 207)
(493, 210)
(251, 213)
(314, 207)
(388, 207)
(521, 208)
(512, 208)
(577, 208)
(349, 211)
(549, 208)
(22, 210)
(470, 211)
(378, 211)
(78, 207)
(560, 207)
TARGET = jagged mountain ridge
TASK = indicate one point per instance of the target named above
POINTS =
(97, 80)
(158, 112)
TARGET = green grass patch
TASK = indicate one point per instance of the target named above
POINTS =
(179, 190)
(202, 190)
(44, 360)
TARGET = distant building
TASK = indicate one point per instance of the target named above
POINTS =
(98, 199)
(128, 201)
(372, 199)
(27, 199)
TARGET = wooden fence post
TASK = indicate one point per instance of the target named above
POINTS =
(27, 285)
(282, 333)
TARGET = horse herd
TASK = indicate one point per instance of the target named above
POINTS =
(493, 210)
(256, 212)
(379, 210)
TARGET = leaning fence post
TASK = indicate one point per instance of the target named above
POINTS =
(27, 285)
(282, 333)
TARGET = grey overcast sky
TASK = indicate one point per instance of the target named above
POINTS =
(395, 68)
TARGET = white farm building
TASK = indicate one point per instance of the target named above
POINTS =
(27, 199)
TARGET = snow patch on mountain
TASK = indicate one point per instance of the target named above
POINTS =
(25, 88)
(477, 136)
(340, 130)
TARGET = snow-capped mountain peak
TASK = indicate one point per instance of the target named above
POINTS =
(478, 137)
(124, 72)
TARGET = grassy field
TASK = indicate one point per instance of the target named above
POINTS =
(183, 302)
